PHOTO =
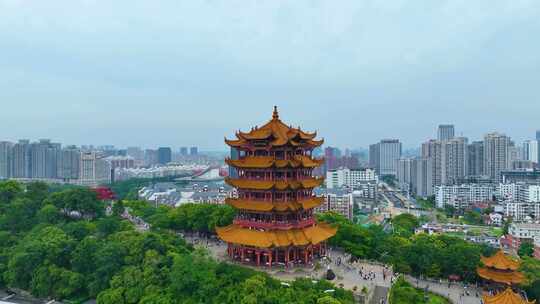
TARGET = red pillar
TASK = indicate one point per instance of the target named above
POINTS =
(242, 254)
(270, 259)
(258, 258)
(287, 258)
(305, 256)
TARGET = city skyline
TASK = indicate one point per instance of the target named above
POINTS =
(362, 70)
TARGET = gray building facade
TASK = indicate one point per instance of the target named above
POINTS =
(496, 155)
(383, 156)
(445, 132)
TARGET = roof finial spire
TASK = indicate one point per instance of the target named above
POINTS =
(275, 115)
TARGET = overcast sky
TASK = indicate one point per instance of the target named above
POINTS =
(180, 73)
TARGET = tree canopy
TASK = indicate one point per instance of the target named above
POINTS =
(62, 245)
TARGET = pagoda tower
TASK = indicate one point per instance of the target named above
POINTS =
(273, 177)
(506, 297)
(500, 269)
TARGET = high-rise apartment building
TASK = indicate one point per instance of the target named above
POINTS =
(164, 155)
(5, 159)
(530, 150)
(421, 176)
(68, 163)
(415, 175)
(44, 159)
(383, 156)
(404, 173)
(94, 169)
(21, 163)
(331, 156)
(449, 160)
(150, 157)
(455, 160)
(136, 152)
(193, 151)
(445, 132)
(475, 158)
(496, 155)
(184, 151)
(433, 149)
(538, 135)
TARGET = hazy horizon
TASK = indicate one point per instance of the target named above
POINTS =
(183, 73)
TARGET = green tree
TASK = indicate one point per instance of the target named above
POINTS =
(83, 258)
(8, 191)
(193, 277)
(57, 282)
(405, 224)
(118, 208)
(328, 300)
(19, 216)
(403, 293)
(49, 214)
(254, 290)
(49, 245)
(533, 290)
(526, 249)
(530, 268)
(37, 192)
(77, 202)
(109, 260)
(108, 225)
(473, 218)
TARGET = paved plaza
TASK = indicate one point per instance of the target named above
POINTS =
(356, 275)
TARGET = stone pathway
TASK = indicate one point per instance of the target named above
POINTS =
(379, 295)
(457, 293)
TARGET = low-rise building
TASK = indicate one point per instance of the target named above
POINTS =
(521, 211)
(462, 196)
(337, 200)
(117, 161)
(172, 195)
(350, 178)
(494, 219)
(519, 233)
(528, 231)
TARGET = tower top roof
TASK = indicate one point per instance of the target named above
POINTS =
(276, 133)
(275, 114)
(500, 261)
(506, 297)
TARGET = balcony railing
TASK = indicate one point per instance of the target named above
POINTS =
(274, 224)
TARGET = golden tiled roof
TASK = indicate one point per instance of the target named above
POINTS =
(251, 162)
(505, 277)
(276, 238)
(506, 297)
(277, 206)
(500, 261)
(279, 185)
(277, 133)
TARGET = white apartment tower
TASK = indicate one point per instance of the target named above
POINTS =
(94, 169)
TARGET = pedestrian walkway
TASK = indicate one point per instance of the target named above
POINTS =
(380, 295)
(456, 292)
